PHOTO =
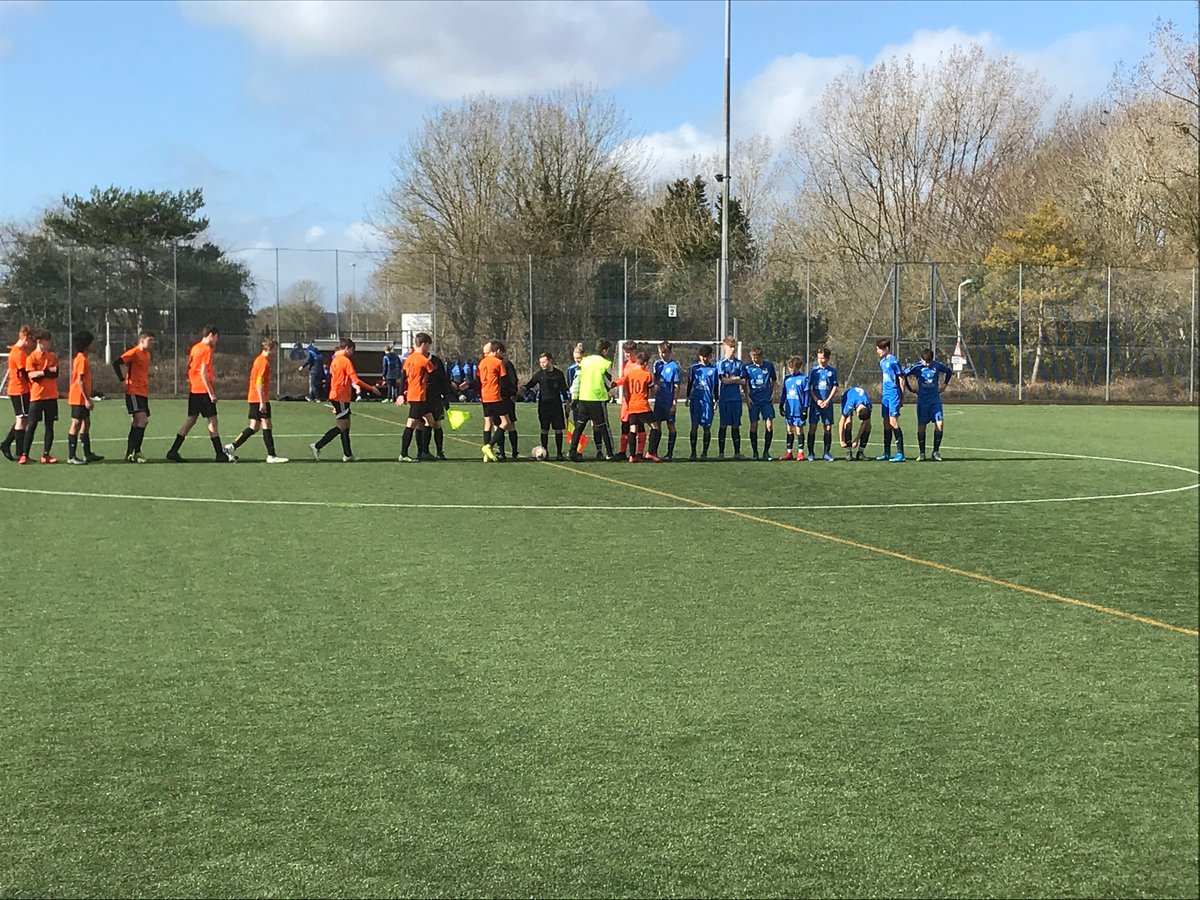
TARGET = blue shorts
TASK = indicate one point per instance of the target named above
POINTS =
(701, 413)
(764, 411)
(662, 413)
(730, 411)
(795, 421)
(891, 406)
(816, 414)
(929, 412)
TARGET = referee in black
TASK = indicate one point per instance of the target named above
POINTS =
(553, 399)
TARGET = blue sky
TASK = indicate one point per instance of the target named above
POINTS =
(289, 114)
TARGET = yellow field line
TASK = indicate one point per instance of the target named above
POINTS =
(869, 548)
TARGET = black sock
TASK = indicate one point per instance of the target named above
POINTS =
(406, 440)
(544, 439)
(921, 442)
(9, 438)
(707, 440)
(652, 442)
(328, 437)
(937, 441)
(899, 441)
(720, 440)
(29, 433)
(139, 434)
(737, 439)
(512, 440)
(346, 451)
(827, 442)
(558, 442)
(85, 438)
(767, 441)
(887, 442)
(754, 442)
(671, 443)
(692, 437)
(216, 442)
(72, 441)
(812, 442)
(48, 438)
(177, 443)
(487, 437)
(439, 441)
(246, 434)
(862, 443)
(496, 437)
(790, 441)
(269, 440)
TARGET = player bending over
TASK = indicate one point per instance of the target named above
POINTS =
(932, 377)
(793, 406)
(855, 404)
(891, 402)
(343, 379)
(258, 398)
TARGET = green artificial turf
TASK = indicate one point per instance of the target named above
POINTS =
(355, 681)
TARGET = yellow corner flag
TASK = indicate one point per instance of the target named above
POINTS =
(456, 418)
(583, 438)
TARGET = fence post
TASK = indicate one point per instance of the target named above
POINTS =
(933, 307)
(625, 301)
(1192, 346)
(530, 256)
(278, 334)
(895, 307)
(337, 295)
(807, 313)
(433, 303)
(1020, 332)
(70, 298)
(175, 309)
(1108, 336)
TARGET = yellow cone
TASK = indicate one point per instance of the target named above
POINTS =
(456, 418)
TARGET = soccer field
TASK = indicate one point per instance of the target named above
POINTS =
(975, 678)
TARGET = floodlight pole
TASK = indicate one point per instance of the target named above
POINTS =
(959, 322)
(724, 314)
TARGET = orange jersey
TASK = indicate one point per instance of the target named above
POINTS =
(416, 373)
(81, 380)
(137, 371)
(342, 374)
(200, 356)
(45, 388)
(260, 374)
(18, 382)
(637, 387)
(491, 370)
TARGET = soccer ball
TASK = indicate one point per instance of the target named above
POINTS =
(538, 453)
(462, 398)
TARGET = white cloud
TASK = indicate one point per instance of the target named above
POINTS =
(785, 92)
(1069, 64)
(446, 50)
(363, 236)
(667, 152)
(926, 46)
(315, 233)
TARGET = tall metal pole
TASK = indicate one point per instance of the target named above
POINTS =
(70, 297)
(724, 316)
(278, 335)
(933, 307)
(625, 302)
(1108, 336)
(530, 257)
(175, 307)
(807, 313)
(337, 295)
(1020, 332)
(1192, 351)
(433, 314)
(895, 308)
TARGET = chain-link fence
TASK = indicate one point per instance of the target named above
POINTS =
(1025, 333)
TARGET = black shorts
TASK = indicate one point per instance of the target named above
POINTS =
(202, 405)
(20, 404)
(510, 407)
(419, 409)
(82, 413)
(255, 413)
(341, 409)
(136, 403)
(495, 410)
(591, 411)
(639, 418)
(550, 415)
(43, 411)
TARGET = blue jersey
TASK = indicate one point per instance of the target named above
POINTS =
(795, 395)
(666, 377)
(891, 376)
(821, 381)
(762, 381)
(927, 375)
(456, 373)
(730, 368)
(855, 396)
(572, 371)
(702, 384)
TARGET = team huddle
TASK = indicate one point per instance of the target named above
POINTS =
(648, 394)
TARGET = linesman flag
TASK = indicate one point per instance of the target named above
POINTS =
(456, 418)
